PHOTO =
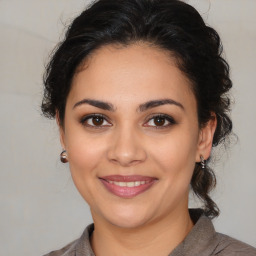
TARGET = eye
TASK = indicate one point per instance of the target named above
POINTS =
(160, 121)
(95, 121)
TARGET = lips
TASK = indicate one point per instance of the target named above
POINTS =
(127, 186)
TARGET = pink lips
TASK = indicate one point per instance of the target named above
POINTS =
(127, 186)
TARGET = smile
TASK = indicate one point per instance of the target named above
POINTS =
(130, 184)
(127, 186)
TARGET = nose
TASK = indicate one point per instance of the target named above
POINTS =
(127, 148)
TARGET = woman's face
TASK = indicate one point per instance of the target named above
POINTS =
(132, 135)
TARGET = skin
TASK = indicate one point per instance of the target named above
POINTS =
(130, 142)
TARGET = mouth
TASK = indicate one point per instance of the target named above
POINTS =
(127, 186)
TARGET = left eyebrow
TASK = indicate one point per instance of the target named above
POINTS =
(96, 103)
(155, 103)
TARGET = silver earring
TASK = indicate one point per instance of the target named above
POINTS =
(203, 162)
(63, 156)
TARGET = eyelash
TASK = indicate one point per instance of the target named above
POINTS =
(164, 116)
(85, 119)
(167, 118)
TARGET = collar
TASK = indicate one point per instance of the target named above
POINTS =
(201, 240)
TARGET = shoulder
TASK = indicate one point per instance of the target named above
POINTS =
(79, 247)
(203, 240)
(68, 250)
(229, 246)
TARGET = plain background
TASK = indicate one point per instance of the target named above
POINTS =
(40, 210)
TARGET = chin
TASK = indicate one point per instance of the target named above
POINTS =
(128, 223)
(128, 218)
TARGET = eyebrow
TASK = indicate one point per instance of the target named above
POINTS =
(156, 103)
(96, 103)
(143, 107)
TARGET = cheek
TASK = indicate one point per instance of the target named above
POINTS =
(85, 155)
(176, 154)
(84, 152)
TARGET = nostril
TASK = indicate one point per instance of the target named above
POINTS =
(126, 149)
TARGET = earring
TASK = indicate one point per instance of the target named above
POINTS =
(203, 162)
(63, 156)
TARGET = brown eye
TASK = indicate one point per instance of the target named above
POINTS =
(97, 120)
(159, 121)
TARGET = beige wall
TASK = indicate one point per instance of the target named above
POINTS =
(40, 209)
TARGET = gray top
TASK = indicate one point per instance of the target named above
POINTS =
(202, 240)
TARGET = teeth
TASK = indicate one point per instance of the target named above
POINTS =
(121, 184)
(137, 183)
(130, 184)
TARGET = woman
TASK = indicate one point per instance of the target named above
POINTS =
(139, 91)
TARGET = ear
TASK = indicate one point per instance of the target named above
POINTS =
(61, 130)
(206, 138)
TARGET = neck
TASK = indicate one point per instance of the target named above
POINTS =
(156, 238)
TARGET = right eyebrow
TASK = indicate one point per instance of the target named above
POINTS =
(156, 103)
(96, 103)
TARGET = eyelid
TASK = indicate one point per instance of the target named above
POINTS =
(170, 119)
(87, 117)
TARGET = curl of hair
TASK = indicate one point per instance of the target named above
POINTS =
(171, 25)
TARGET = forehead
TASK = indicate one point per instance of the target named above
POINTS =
(134, 73)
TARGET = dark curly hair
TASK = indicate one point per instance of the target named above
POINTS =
(170, 25)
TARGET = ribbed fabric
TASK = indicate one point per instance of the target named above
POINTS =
(202, 240)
